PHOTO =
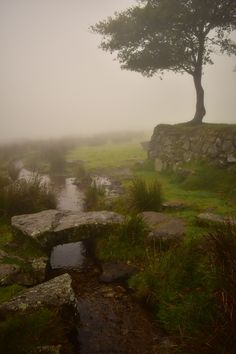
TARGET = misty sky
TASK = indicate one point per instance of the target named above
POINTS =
(55, 81)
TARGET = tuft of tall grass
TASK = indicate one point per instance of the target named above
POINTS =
(4, 179)
(82, 176)
(126, 242)
(222, 247)
(26, 196)
(94, 197)
(177, 285)
(55, 155)
(132, 231)
(145, 196)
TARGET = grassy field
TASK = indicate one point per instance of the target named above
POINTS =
(110, 155)
(208, 197)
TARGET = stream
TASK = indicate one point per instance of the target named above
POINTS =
(69, 196)
(111, 321)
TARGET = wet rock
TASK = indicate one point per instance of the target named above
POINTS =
(55, 293)
(48, 349)
(8, 273)
(25, 273)
(114, 271)
(36, 273)
(158, 165)
(209, 218)
(112, 188)
(174, 205)
(163, 227)
(167, 346)
(231, 159)
(37, 224)
(39, 266)
(3, 254)
(227, 146)
(51, 227)
(145, 145)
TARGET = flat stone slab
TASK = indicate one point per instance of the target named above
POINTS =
(209, 218)
(27, 273)
(36, 224)
(57, 293)
(163, 227)
(52, 227)
(174, 205)
(114, 271)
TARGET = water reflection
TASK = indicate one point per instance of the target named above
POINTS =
(68, 256)
(28, 175)
(69, 197)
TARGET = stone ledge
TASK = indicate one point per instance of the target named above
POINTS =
(52, 227)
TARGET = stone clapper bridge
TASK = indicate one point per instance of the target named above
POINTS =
(50, 228)
(105, 315)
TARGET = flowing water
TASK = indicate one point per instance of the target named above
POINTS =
(69, 196)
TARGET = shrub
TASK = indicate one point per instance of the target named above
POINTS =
(26, 196)
(145, 196)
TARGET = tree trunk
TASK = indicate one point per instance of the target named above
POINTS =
(200, 108)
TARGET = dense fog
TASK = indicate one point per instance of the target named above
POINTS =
(55, 81)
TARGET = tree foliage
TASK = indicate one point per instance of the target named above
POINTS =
(176, 35)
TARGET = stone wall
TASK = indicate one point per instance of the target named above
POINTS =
(172, 145)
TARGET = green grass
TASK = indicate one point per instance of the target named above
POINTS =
(196, 200)
(126, 243)
(94, 197)
(5, 233)
(21, 334)
(6, 293)
(110, 155)
(26, 196)
(145, 195)
(26, 248)
(177, 285)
